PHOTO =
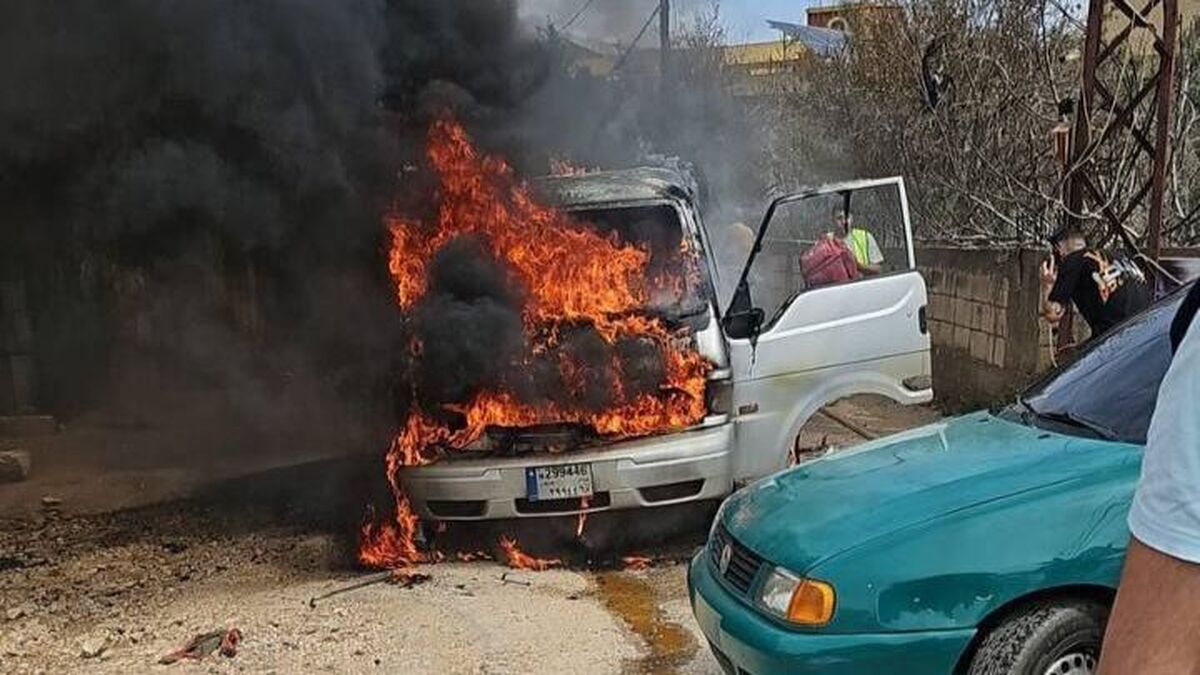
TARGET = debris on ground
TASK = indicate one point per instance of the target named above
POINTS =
(408, 579)
(93, 647)
(18, 612)
(401, 578)
(14, 466)
(802, 453)
(204, 644)
(510, 578)
(174, 547)
(636, 563)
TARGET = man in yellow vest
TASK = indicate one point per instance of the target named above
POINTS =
(860, 242)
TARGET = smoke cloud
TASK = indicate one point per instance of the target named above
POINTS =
(192, 192)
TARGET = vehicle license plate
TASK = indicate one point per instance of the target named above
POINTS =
(561, 481)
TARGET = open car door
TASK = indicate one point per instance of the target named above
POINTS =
(796, 346)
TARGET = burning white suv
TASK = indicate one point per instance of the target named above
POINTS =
(774, 356)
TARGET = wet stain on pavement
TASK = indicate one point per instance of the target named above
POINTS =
(631, 597)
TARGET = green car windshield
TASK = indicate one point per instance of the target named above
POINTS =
(1110, 390)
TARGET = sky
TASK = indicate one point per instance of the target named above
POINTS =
(746, 20)
(619, 20)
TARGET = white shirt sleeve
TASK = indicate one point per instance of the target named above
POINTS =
(874, 253)
(1166, 507)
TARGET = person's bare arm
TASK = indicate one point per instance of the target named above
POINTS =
(870, 269)
(1155, 625)
(1051, 311)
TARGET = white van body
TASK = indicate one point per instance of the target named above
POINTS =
(823, 344)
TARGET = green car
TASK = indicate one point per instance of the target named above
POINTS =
(991, 543)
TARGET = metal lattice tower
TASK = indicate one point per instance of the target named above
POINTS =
(1124, 120)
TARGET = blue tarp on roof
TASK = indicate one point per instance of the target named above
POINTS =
(822, 41)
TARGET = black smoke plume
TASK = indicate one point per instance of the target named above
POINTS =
(190, 197)
(190, 193)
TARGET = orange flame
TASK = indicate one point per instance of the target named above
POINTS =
(561, 166)
(572, 275)
(518, 559)
(392, 544)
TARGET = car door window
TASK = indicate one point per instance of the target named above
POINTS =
(873, 233)
(1112, 387)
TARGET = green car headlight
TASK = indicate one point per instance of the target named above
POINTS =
(805, 602)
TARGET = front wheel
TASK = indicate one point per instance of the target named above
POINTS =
(1053, 638)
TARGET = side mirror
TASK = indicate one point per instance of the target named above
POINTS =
(743, 324)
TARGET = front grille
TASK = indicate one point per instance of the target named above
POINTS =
(456, 509)
(599, 500)
(670, 491)
(743, 563)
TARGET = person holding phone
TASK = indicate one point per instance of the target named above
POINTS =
(1105, 289)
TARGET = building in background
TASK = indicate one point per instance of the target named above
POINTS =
(851, 18)
(753, 68)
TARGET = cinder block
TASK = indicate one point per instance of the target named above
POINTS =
(962, 338)
(999, 348)
(979, 288)
(962, 312)
(987, 318)
(939, 308)
(999, 322)
(941, 333)
(1000, 293)
(981, 346)
(933, 277)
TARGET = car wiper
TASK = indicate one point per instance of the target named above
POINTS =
(1072, 420)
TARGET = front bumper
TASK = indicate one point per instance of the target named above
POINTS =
(746, 643)
(673, 469)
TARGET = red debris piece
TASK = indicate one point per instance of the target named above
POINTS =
(204, 644)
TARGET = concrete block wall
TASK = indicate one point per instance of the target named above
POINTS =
(988, 341)
(969, 311)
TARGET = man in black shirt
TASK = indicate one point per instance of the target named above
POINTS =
(1105, 290)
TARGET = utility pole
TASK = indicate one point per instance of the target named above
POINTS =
(664, 42)
(1112, 115)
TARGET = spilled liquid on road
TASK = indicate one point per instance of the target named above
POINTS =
(631, 597)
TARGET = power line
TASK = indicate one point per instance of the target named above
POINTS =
(636, 39)
(578, 13)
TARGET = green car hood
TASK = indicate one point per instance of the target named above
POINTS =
(803, 516)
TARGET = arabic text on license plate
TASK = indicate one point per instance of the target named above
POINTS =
(558, 482)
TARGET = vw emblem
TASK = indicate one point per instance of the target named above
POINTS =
(726, 555)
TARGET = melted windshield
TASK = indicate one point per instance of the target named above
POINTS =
(1111, 389)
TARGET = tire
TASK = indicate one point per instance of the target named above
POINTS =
(1056, 638)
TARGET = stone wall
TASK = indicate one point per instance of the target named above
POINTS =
(988, 341)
